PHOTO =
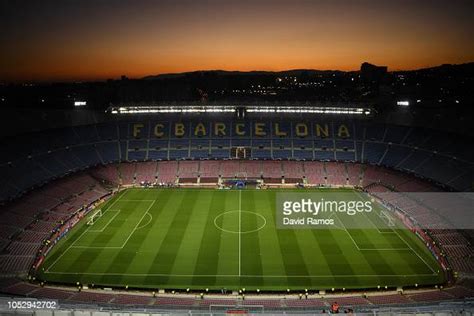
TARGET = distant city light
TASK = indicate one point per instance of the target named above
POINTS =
(403, 103)
(80, 103)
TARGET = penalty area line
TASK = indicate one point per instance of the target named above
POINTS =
(413, 250)
(149, 221)
(87, 228)
(110, 221)
(138, 223)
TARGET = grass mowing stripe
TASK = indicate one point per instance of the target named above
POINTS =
(100, 228)
(291, 252)
(208, 258)
(251, 252)
(120, 260)
(153, 235)
(158, 260)
(228, 251)
(271, 256)
(334, 254)
(205, 256)
(415, 252)
(138, 223)
(188, 251)
(166, 254)
(314, 257)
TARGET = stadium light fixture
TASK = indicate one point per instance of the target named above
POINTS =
(403, 103)
(80, 103)
(312, 110)
(171, 109)
(233, 109)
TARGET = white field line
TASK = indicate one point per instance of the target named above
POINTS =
(370, 249)
(97, 247)
(344, 226)
(413, 250)
(249, 275)
(151, 218)
(67, 249)
(335, 224)
(240, 230)
(368, 218)
(72, 244)
(138, 223)
(230, 275)
(110, 221)
(102, 247)
(385, 249)
(416, 253)
(130, 235)
(376, 227)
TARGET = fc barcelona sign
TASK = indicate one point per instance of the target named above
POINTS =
(217, 129)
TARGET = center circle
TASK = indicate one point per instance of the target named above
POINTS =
(242, 218)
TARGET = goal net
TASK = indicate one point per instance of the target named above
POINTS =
(241, 152)
(94, 217)
(387, 218)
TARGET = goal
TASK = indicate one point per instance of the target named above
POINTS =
(240, 152)
(94, 217)
(387, 219)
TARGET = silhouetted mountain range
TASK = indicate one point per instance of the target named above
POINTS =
(465, 69)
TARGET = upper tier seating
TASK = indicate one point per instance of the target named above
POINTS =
(31, 160)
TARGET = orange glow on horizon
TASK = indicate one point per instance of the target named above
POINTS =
(94, 41)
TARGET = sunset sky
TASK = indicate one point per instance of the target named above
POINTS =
(44, 40)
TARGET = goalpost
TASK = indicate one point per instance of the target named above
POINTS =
(386, 218)
(94, 217)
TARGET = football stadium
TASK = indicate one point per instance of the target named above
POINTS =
(182, 213)
(232, 157)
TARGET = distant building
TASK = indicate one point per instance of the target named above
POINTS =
(372, 73)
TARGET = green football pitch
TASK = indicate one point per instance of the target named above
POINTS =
(206, 238)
